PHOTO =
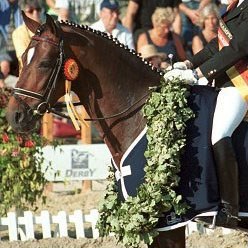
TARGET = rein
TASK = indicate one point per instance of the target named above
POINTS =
(53, 110)
(44, 106)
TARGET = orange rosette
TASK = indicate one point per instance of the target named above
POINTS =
(71, 69)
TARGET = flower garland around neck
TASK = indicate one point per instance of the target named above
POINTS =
(134, 220)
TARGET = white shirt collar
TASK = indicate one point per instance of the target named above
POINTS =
(101, 27)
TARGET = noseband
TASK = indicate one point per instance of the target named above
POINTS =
(44, 106)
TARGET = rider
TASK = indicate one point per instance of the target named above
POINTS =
(225, 61)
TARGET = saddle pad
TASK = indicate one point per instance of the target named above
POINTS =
(199, 183)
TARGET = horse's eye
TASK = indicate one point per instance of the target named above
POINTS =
(45, 64)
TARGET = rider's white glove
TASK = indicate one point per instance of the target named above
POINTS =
(188, 76)
(203, 81)
(180, 65)
(183, 65)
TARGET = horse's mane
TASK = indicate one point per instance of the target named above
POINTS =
(78, 28)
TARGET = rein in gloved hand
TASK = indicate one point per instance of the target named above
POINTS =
(186, 73)
(183, 65)
(188, 76)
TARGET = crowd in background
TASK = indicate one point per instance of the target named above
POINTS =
(154, 28)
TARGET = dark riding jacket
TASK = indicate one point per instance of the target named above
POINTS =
(214, 63)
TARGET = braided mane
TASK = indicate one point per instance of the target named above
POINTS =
(112, 39)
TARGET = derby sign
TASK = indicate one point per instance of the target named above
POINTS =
(76, 162)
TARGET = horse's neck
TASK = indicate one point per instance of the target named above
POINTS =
(118, 83)
(119, 133)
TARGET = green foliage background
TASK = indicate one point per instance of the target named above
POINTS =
(135, 219)
(21, 178)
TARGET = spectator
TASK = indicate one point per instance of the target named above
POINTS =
(190, 13)
(22, 35)
(209, 23)
(109, 23)
(50, 9)
(161, 36)
(222, 5)
(11, 18)
(123, 8)
(150, 53)
(4, 61)
(9, 9)
(63, 11)
(139, 12)
(86, 11)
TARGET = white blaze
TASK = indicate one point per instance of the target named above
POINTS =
(30, 54)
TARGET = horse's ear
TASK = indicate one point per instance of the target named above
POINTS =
(30, 23)
(51, 24)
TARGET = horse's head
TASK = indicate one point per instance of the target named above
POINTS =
(35, 91)
(111, 81)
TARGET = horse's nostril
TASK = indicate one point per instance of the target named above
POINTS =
(18, 117)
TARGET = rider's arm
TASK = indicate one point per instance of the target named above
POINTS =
(205, 54)
(228, 56)
(222, 60)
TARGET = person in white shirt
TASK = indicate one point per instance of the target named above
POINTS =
(109, 23)
(62, 7)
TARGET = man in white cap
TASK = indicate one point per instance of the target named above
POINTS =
(109, 23)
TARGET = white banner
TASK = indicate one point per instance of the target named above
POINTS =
(76, 162)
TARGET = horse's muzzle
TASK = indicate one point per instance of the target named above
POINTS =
(20, 119)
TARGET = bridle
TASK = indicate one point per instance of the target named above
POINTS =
(44, 106)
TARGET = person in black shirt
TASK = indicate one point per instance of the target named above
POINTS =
(139, 12)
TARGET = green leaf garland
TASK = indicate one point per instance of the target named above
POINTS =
(134, 220)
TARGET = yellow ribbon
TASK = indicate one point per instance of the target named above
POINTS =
(72, 112)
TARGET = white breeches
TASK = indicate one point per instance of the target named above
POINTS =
(230, 110)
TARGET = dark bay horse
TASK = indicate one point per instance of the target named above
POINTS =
(112, 85)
